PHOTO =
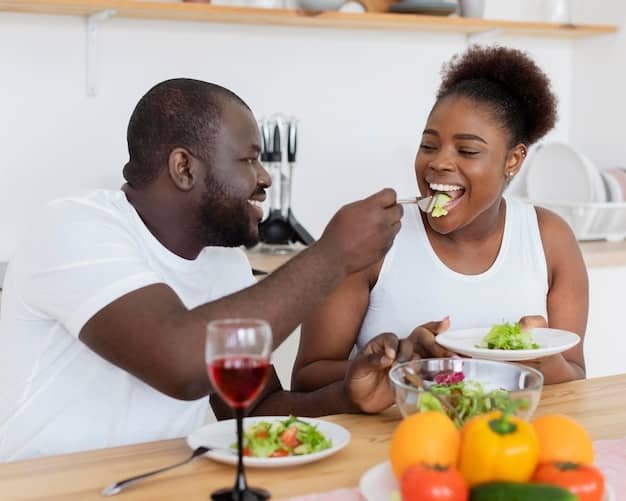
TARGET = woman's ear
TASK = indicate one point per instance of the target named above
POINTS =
(182, 168)
(514, 160)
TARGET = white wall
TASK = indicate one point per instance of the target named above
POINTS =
(599, 86)
(362, 97)
(605, 343)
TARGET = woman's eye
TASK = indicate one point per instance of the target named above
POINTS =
(427, 147)
(468, 152)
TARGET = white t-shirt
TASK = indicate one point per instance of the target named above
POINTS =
(58, 396)
(414, 286)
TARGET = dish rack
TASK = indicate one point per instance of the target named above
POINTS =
(591, 220)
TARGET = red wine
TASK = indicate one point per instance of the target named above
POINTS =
(239, 378)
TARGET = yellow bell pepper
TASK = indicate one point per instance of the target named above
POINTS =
(498, 447)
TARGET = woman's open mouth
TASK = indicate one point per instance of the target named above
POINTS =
(454, 191)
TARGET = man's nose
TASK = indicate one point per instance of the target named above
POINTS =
(263, 177)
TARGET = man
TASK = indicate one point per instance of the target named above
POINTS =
(106, 302)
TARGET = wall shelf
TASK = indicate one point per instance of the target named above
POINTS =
(178, 11)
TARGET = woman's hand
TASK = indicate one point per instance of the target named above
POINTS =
(366, 382)
(555, 368)
(533, 321)
(423, 339)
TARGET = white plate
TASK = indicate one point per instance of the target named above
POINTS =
(378, 484)
(613, 186)
(223, 434)
(550, 341)
(556, 172)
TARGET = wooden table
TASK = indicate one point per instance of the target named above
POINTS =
(599, 404)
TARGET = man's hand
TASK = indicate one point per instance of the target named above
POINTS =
(362, 232)
(423, 339)
(367, 382)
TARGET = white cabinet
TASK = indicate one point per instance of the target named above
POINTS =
(605, 340)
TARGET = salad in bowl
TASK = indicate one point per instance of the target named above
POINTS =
(463, 388)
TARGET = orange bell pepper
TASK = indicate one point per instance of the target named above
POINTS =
(498, 447)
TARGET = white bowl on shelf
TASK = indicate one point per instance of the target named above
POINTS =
(559, 173)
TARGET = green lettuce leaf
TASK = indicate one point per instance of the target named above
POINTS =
(441, 199)
(508, 336)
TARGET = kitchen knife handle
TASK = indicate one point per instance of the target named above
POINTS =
(292, 142)
(265, 141)
(276, 151)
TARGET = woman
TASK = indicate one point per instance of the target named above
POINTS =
(490, 259)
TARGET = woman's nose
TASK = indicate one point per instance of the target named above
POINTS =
(442, 161)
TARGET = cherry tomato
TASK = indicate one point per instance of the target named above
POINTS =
(585, 481)
(261, 434)
(246, 451)
(289, 437)
(433, 483)
(279, 453)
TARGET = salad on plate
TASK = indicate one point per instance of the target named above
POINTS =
(289, 437)
(507, 336)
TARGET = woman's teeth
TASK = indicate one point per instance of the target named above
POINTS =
(445, 187)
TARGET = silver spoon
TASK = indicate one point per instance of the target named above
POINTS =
(118, 487)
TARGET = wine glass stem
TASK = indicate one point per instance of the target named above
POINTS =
(240, 481)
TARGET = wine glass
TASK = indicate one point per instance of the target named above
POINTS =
(237, 353)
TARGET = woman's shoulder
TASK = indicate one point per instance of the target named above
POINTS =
(557, 236)
(547, 220)
(550, 221)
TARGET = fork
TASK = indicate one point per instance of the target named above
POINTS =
(425, 203)
(118, 487)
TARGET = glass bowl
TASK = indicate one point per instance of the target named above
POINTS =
(435, 384)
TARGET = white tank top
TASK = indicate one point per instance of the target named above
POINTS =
(415, 286)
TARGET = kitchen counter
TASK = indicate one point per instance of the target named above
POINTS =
(601, 254)
(263, 261)
(597, 254)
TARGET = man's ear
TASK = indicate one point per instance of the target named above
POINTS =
(182, 168)
(514, 160)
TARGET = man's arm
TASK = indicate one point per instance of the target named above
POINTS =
(331, 399)
(365, 386)
(150, 333)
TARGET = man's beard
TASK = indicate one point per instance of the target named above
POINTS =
(223, 221)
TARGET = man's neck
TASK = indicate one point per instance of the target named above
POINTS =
(168, 222)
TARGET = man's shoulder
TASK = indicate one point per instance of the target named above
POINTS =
(94, 218)
(104, 204)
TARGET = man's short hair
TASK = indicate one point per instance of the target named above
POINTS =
(181, 112)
